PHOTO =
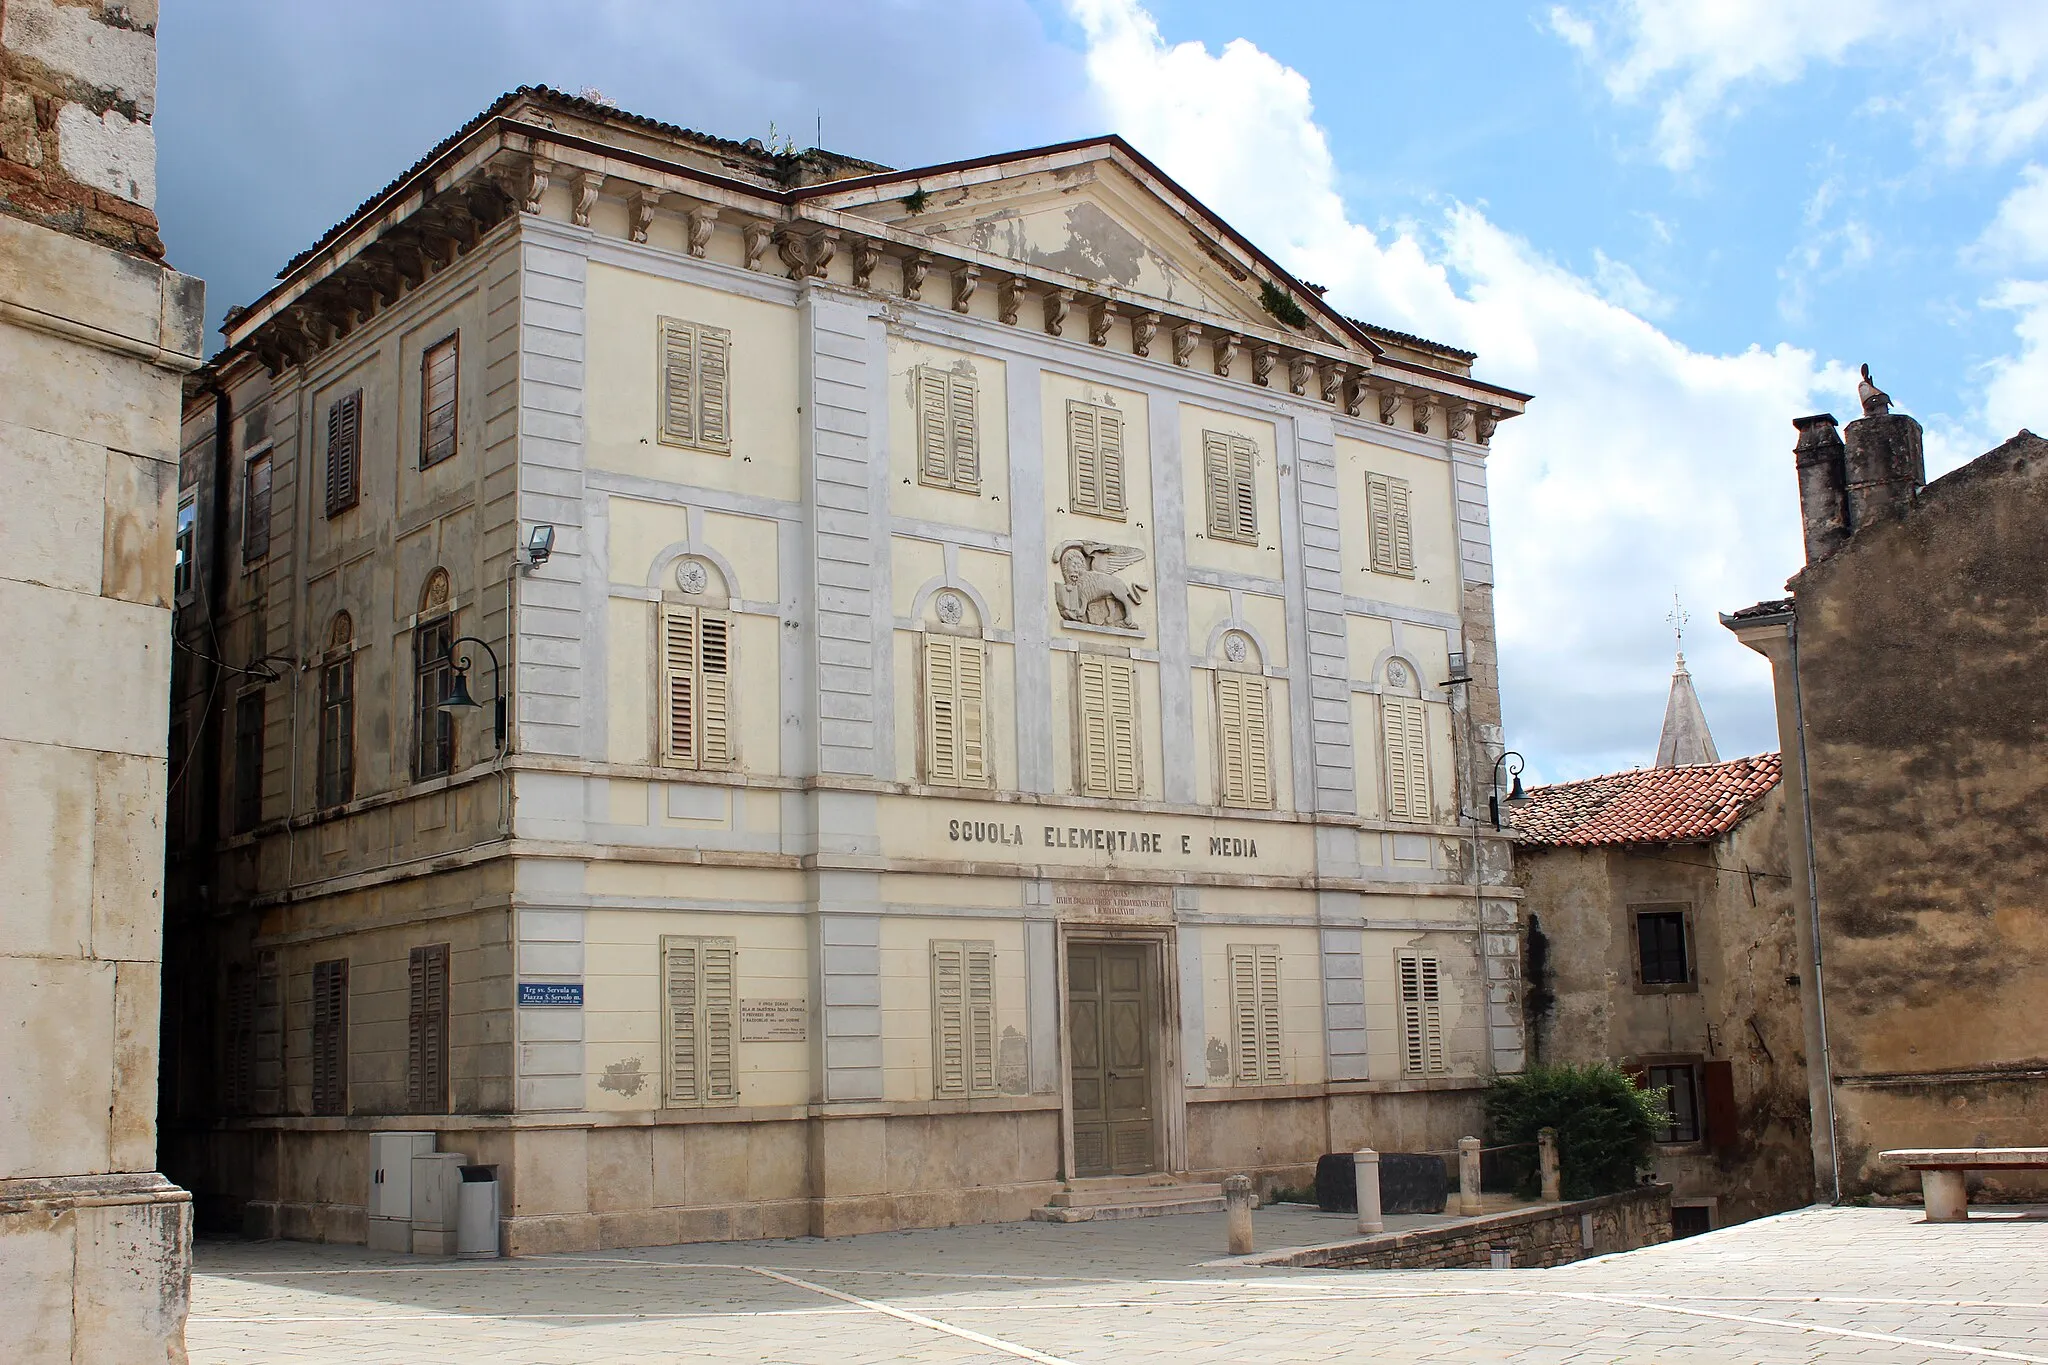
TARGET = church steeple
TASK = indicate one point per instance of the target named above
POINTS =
(1686, 739)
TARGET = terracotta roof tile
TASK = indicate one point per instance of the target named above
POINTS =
(1647, 806)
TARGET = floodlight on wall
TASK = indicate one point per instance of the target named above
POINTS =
(1458, 673)
(540, 543)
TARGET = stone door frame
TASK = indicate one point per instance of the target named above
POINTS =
(1170, 1129)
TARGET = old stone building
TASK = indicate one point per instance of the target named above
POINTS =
(1660, 938)
(992, 667)
(95, 331)
(1913, 733)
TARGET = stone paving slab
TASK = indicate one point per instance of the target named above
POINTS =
(1817, 1285)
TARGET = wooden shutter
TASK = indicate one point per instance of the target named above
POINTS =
(942, 709)
(1091, 674)
(344, 451)
(963, 1018)
(700, 1020)
(934, 450)
(1403, 526)
(717, 992)
(981, 1018)
(256, 510)
(438, 370)
(1244, 491)
(1407, 759)
(972, 681)
(682, 1050)
(1717, 1099)
(679, 686)
(963, 433)
(330, 1037)
(1255, 1012)
(1109, 445)
(1422, 1025)
(426, 1062)
(715, 743)
(1123, 728)
(714, 423)
(1216, 484)
(1379, 517)
(678, 383)
(337, 732)
(1084, 463)
(1244, 751)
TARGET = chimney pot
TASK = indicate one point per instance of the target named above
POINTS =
(1823, 494)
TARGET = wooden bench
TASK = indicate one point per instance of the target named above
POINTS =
(1942, 1170)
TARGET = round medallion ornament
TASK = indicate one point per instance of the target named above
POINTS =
(950, 608)
(1397, 675)
(691, 577)
(1235, 649)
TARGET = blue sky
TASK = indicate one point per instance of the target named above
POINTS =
(1678, 225)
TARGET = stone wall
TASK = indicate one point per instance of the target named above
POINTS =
(1554, 1234)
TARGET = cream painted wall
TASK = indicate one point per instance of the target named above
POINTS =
(1464, 1039)
(1301, 986)
(621, 390)
(907, 996)
(990, 509)
(1151, 758)
(1369, 747)
(1432, 511)
(622, 1004)
(1261, 560)
(1062, 525)
(631, 729)
(640, 531)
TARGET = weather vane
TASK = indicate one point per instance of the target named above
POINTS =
(1678, 618)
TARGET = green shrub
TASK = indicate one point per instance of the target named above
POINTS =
(1281, 304)
(1605, 1126)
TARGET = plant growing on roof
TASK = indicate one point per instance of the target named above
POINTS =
(1605, 1126)
(1281, 304)
(915, 200)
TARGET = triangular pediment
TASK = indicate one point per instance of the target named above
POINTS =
(1098, 214)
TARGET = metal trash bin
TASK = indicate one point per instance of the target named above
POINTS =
(476, 1213)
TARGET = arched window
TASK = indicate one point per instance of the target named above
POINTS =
(697, 661)
(1244, 749)
(337, 775)
(1404, 741)
(954, 684)
(433, 671)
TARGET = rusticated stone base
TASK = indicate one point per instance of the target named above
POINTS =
(95, 1268)
(1547, 1235)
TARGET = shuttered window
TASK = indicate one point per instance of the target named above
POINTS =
(330, 1037)
(438, 381)
(1107, 695)
(426, 1031)
(700, 1009)
(963, 1018)
(948, 438)
(1680, 1084)
(1406, 722)
(1095, 460)
(248, 761)
(238, 1042)
(256, 510)
(1255, 1013)
(955, 711)
(1244, 758)
(433, 668)
(696, 696)
(695, 386)
(344, 452)
(338, 731)
(1232, 495)
(1389, 528)
(1422, 1015)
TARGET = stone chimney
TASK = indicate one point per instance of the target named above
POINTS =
(1823, 490)
(1883, 463)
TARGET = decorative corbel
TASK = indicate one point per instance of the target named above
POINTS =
(1298, 367)
(754, 238)
(1333, 384)
(1099, 319)
(915, 267)
(537, 172)
(794, 250)
(698, 236)
(1460, 416)
(361, 298)
(965, 279)
(1185, 338)
(1143, 328)
(1010, 298)
(1355, 394)
(1423, 407)
(1390, 399)
(1489, 419)
(1056, 301)
(587, 185)
(410, 261)
(383, 277)
(645, 201)
(867, 254)
(1264, 356)
(824, 245)
(1225, 351)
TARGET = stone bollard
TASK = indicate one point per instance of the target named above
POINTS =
(1946, 1197)
(1546, 1156)
(1365, 1164)
(1468, 1176)
(1237, 1206)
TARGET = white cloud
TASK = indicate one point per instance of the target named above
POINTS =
(2018, 236)
(1641, 465)
(1621, 286)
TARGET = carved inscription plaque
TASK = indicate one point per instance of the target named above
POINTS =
(774, 1021)
(1112, 901)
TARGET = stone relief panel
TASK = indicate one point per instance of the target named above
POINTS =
(1092, 590)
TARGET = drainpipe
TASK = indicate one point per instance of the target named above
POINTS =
(215, 567)
(1813, 909)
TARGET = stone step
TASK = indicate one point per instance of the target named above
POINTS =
(1085, 1195)
(1158, 1208)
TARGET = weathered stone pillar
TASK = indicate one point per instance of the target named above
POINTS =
(1365, 1164)
(1237, 1211)
(1948, 1200)
(1883, 464)
(1546, 1157)
(1468, 1175)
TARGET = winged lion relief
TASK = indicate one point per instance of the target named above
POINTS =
(1092, 590)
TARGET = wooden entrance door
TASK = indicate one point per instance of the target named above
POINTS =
(1111, 1007)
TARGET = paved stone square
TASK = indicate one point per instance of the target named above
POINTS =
(1816, 1285)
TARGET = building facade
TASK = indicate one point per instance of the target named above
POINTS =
(95, 331)
(993, 669)
(1660, 938)
(1912, 743)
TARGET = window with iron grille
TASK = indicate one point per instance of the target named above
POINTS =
(433, 667)
(1663, 953)
(248, 760)
(439, 380)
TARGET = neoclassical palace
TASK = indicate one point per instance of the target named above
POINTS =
(762, 694)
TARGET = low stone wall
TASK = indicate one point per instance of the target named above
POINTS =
(1551, 1234)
